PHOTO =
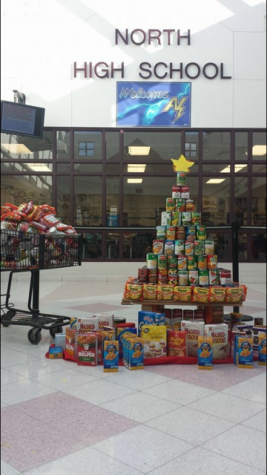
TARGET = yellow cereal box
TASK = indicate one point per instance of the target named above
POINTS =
(155, 341)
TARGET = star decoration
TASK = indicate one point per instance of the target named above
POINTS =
(182, 164)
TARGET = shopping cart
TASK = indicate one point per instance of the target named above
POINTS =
(30, 252)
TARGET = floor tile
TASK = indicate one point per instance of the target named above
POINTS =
(143, 448)
(203, 462)
(7, 469)
(53, 407)
(178, 392)
(36, 369)
(241, 444)
(257, 422)
(11, 357)
(96, 308)
(252, 391)
(93, 425)
(23, 391)
(14, 421)
(65, 379)
(39, 445)
(99, 392)
(137, 380)
(3, 404)
(227, 407)
(140, 407)
(261, 378)
(8, 377)
(190, 425)
(79, 463)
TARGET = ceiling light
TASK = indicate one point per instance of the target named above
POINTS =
(134, 180)
(215, 181)
(237, 168)
(131, 168)
(139, 150)
(16, 148)
(259, 150)
(39, 167)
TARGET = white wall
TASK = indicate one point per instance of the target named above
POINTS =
(41, 39)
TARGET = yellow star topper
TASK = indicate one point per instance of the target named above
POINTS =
(182, 164)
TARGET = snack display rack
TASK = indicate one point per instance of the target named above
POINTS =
(32, 252)
(145, 303)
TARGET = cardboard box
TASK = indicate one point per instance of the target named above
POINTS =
(194, 329)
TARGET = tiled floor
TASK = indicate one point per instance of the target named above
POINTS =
(60, 419)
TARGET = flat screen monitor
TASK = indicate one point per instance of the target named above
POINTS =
(19, 119)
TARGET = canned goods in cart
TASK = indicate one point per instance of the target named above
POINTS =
(212, 262)
(181, 178)
(193, 277)
(183, 277)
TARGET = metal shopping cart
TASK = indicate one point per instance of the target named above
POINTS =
(30, 252)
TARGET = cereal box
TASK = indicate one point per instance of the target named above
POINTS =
(155, 341)
(70, 342)
(111, 356)
(219, 335)
(87, 324)
(205, 352)
(136, 353)
(150, 318)
(262, 350)
(244, 352)
(176, 343)
(86, 349)
(194, 330)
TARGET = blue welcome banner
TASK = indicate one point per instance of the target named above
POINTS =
(153, 104)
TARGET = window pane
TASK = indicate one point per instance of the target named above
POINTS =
(20, 189)
(242, 246)
(63, 198)
(14, 147)
(112, 201)
(151, 146)
(87, 168)
(145, 198)
(113, 169)
(150, 168)
(216, 202)
(241, 146)
(259, 146)
(259, 168)
(88, 201)
(191, 145)
(92, 246)
(216, 145)
(223, 244)
(241, 200)
(63, 145)
(87, 145)
(215, 168)
(63, 167)
(113, 146)
(259, 201)
(137, 245)
(17, 167)
(112, 245)
(258, 247)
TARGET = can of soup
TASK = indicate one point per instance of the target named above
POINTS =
(203, 276)
(192, 263)
(185, 192)
(182, 262)
(193, 277)
(212, 261)
(199, 248)
(176, 191)
(181, 178)
(183, 277)
(180, 205)
(202, 262)
(162, 261)
(179, 247)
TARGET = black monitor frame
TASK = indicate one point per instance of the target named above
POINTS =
(38, 123)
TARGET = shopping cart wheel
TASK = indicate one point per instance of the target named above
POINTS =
(55, 330)
(34, 336)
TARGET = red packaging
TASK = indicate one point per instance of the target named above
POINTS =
(70, 230)
(176, 191)
(23, 207)
(12, 216)
(11, 206)
(39, 226)
(162, 276)
(185, 192)
(47, 209)
(70, 342)
(176, 343)
(49, 220)
(61, 227)
(29, 208)
(143, 276)
(225, 276)
(87, 349)
(198, 314)
(177, 313)
(188, 314)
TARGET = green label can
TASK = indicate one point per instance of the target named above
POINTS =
(196, 218)
(170, 204)
(192, 262)
(179, 247)
(201, 233)
(175, 218)
(199, 248)
(152, 261)
(172, 262)
(203, 278)
(162, 261)
(202, 262)
(183, 277)
(181, 178)
(180, 205)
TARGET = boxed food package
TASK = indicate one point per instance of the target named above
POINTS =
(262, 350)
(150, 318)
(70, 342)
(165, 292)
(182, 293)
(200, 294)
(219, 335)
(205, 352)
(133, 291)
(233, 343)
(244, 352)
(149, 292)
(155, 341)
(135, 353)
(86, 349)
(111, 356)
(121, 333)
(177, 317)
(104, 320)
(60, 340)
(87, 324)
(176, 343)
(194, 330)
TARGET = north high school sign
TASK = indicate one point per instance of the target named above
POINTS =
(160, 70)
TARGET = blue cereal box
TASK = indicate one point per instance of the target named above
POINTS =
(262, 350)
(135, 353)
(111, 356)
(205, 352)
(150, 318)
(244, 352)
